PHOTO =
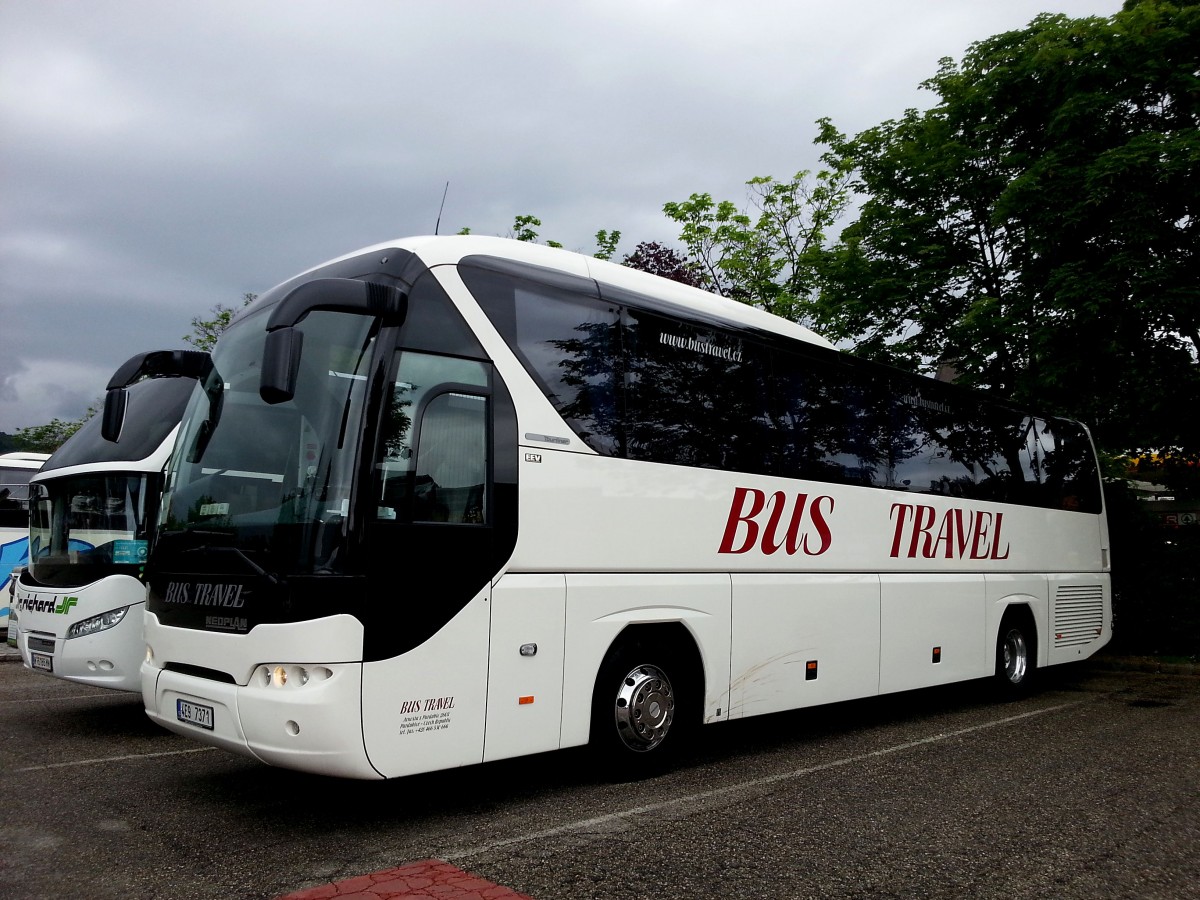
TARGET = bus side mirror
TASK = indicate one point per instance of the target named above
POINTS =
(280, 363)
(154, 364)
(281, 352)
(113, 419)
(160, 363)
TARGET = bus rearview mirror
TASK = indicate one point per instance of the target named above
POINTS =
(115, 401)
(280, 363)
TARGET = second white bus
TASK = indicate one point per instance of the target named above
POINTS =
(80, 601)
(450, 500)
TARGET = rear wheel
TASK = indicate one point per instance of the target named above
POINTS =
(1016, 655)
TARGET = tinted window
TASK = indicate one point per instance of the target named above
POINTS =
(632, 380)
(832, 419)
(568, 341)
(432, 323)
(695, 396)
(1056, 466)
(939, 438)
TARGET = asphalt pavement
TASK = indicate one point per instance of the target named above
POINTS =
(1088, 788)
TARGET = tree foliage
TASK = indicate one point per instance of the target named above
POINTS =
(666, 262)
(606, 243)
(206, 331)
(48, 438)
(770, 257)
(1037, 228)
(524, 229)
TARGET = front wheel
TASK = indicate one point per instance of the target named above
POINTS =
(645, 708)
(639, 710)
(1016, 657)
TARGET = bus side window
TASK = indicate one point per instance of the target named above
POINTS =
(432, 463)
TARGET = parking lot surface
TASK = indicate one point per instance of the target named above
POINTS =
(1089, 788)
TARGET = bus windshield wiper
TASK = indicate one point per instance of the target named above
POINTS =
(211, 548)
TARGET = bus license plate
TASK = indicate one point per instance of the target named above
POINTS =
(43, 662)
(194, 714)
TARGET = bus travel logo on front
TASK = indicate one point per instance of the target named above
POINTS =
(205, 593)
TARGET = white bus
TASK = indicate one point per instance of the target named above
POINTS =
(16, 469)
(454, 499)
(94, 505)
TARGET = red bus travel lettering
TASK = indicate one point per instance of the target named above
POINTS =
(807, 530)
(958, 534)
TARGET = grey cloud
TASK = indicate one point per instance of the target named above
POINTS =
(163, 158)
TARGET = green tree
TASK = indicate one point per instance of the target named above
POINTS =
(524, 228)
(48, 438)
(606, 243)
(769, 258)
(206, 331)
(1037, 229)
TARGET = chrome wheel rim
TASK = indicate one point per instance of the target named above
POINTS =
(1016, 656)
(645, 708)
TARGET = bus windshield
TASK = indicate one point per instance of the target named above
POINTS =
(82, 528)
(272, 481)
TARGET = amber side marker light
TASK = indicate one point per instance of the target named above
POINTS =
(524, 701)
(937, 654)
(810, 670)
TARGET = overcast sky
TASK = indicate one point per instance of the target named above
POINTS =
(158, 158)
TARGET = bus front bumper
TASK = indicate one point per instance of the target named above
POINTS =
(107, 659)
(313, 727)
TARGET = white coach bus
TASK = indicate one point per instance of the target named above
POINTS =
(94, 505)
(450, 500)
(16, 469)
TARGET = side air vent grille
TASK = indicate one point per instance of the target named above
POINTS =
(1078, 614)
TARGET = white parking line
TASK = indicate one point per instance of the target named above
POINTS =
(587, 824)
(107, 759)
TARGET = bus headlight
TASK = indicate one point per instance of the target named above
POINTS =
(96, 624)
(282, 675)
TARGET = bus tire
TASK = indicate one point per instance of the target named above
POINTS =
(641, 708)
(1016, 654)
